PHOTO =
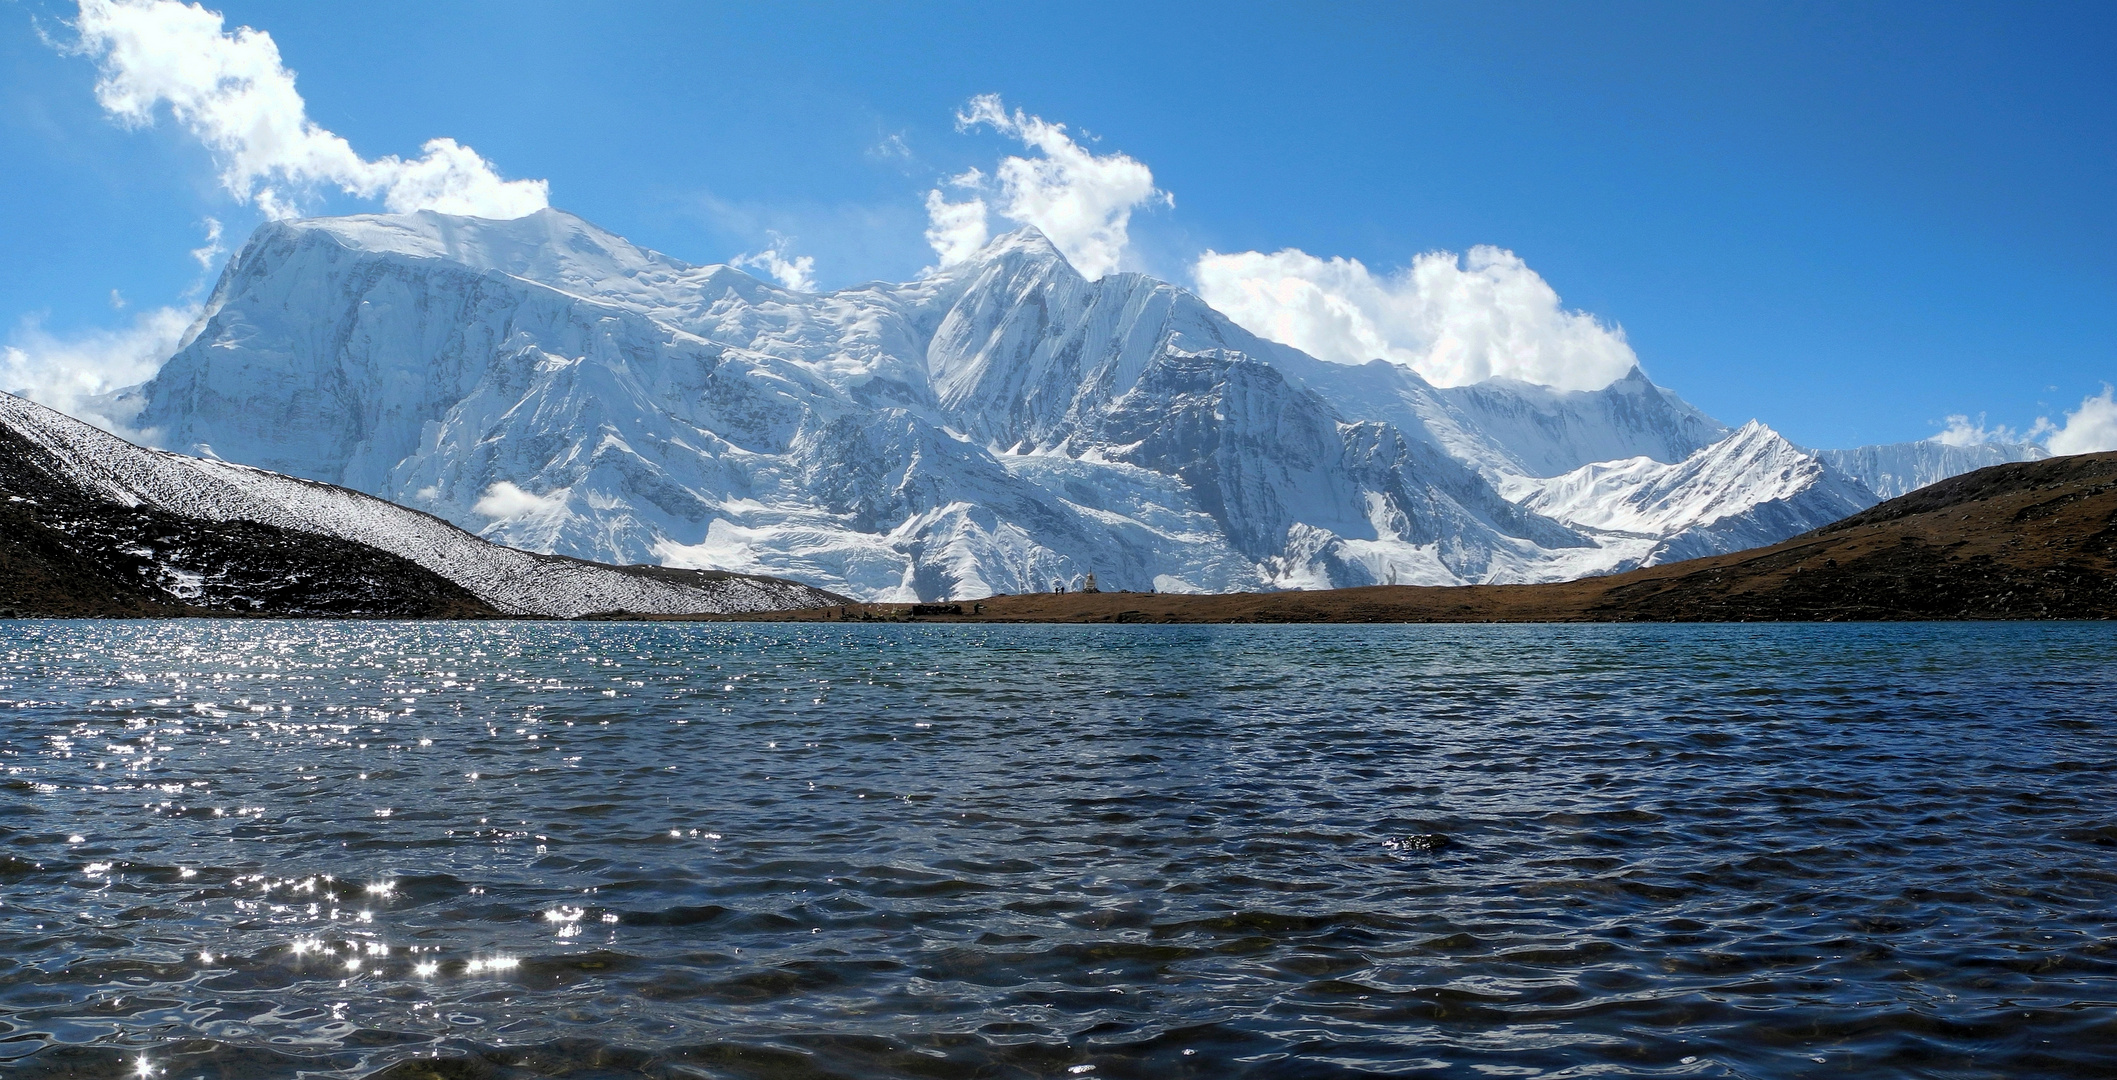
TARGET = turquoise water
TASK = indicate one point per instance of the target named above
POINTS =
(341, 849)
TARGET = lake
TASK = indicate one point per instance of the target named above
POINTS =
(235, 849)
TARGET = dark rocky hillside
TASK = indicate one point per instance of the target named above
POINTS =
(66, 552)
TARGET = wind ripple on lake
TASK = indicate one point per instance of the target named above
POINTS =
(535, 849)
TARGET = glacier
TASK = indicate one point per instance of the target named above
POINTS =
(1000, 425)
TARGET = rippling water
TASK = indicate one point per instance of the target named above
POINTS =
(266, 849)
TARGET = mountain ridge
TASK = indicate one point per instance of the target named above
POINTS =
(1001, 425)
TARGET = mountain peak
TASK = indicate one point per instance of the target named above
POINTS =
(549, 247)
(1028, 241)
(1757, 431)
(1634, 379)
(517, 246)
(429, 234)
(1023, 248)
(1756, 440)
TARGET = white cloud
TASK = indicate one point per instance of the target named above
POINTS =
(506, 502)
(232, 92)
(70, 373)
(1454, 321)
(453, 179)
(955, 230)
(1081, 201)
(892, 147)
(798, 273)
(1963, 431)
(2088, 429)
(211, 249)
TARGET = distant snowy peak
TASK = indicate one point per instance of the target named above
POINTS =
(1727, 496)
(1752, 465)
(1893, 469)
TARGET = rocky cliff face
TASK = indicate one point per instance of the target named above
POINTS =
(1000, 426)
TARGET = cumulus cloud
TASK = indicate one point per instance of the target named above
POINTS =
(1453, 320)
(74, 373)
(1081, 201)
(2088, 429)
(506, 502)
(797, 273)
(232, 92)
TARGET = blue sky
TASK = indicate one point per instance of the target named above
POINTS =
(1848, 221)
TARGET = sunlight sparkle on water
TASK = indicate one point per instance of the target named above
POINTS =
(1233, 848)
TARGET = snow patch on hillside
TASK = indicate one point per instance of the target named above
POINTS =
(515, 582)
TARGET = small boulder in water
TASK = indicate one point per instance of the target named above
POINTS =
(1423, 843)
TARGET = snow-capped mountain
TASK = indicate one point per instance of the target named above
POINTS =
(1892, 469)
(97, 467)
(998, 426)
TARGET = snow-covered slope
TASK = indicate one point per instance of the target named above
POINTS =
(1750, 488)
(998, 426)
(1892, 469)
(516, 582)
